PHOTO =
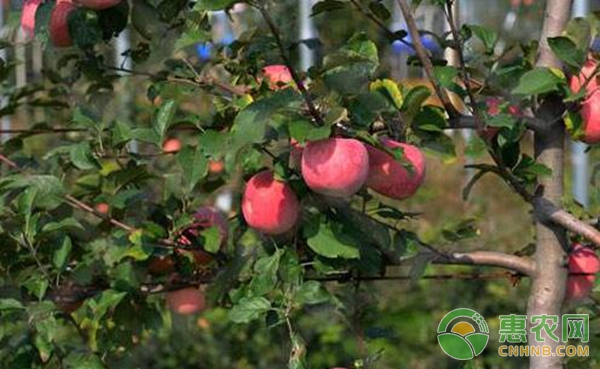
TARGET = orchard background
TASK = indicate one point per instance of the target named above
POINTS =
(106, 163)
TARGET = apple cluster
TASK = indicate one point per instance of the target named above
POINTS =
(59, 18)
(336, 167)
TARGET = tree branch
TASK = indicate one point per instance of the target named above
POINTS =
(547, 212)
(520, 264)
(421, 52)
(288, 63)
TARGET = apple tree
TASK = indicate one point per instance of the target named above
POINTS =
(108, 206)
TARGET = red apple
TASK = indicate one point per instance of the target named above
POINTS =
(590, 112)
(171, 146)
(389, 177)
(28, 17)
(268, 205)
(103, 208)
(186, 301)
(589, 107)
(336, 166)
(59, 25)
(216, 167)
(98, 4)
(582, 260)
(161, 265)
(278, 76)
(586, 72)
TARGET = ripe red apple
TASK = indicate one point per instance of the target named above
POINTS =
(389, 177)
(186, 301)
(586, 72)
(59, 24)
(582, 260)
(590, 112)
(278, 76)
(171, 146)
(336, 166)
(216, 167)
(268, 205)
(98, 4)
(102, 208)
(161, 265)
(28, 17)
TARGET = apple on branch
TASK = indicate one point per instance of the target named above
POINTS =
(270, 206)
(582, 260)
(336, 167)
(389, 177)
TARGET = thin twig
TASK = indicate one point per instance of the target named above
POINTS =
(421, 52)
(288, 63)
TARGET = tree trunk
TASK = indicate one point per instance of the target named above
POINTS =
(549, 280)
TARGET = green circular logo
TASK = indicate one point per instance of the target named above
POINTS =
(463, 334)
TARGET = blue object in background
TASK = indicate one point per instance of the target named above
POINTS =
(402, 48)
(204, 50)
(596, 45)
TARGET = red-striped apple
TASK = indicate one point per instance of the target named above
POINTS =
(335, 167)
(269, 205)
(387, 176)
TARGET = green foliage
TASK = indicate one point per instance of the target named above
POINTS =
(77, 286)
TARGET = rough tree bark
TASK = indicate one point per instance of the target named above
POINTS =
(549, 279)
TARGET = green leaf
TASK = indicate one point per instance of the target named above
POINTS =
(10, 304)
(214, 4)
(84, 28)
(82, 157)
(42, 20)
(390, 90)
(148, 135)
(567, 51)
(537, 81)
(502, 120)
(487, 36)
(76, 360)
(380, 10)
(193, 164)
(61, 255)
(311, 293)
(213, 143)
(107, 300)
(121, 133)
(212, 239)
(349, 69)
(248, 309)
(328, 240)
(575, 125)
(164, 117)
(251, 124)
(445, 75)
(327, 6)
(303, 130)
(61, 225)
(82, 119)
(265, 270)
(413, 102)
